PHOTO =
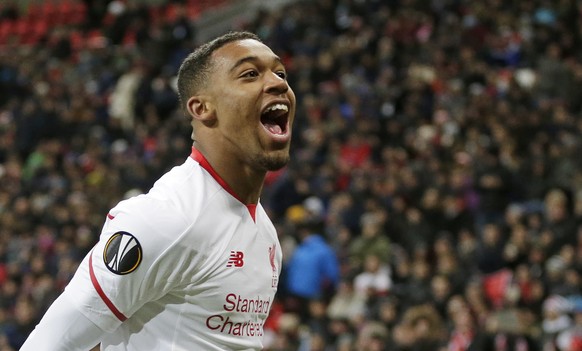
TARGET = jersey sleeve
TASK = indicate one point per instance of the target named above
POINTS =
(63, 328)
(139, 258)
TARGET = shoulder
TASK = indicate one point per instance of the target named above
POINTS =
(146, 214)
(175, 199)
(177, 204)
(188, 188)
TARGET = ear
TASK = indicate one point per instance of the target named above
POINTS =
(200, 109)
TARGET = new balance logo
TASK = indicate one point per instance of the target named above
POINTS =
(236, 259)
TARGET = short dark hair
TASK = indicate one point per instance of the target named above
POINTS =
(193, 73)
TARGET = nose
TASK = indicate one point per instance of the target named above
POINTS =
(275, 84)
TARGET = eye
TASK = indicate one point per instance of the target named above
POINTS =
(250, 74)
(281, 74)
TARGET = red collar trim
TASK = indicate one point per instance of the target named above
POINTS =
(198, 157)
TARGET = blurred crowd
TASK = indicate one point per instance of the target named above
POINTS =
(434, 197)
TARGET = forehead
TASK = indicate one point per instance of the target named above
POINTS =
(233, 53)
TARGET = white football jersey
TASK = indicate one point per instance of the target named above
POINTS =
(186, 266)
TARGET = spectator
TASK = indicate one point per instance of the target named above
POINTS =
(570, 339)
(372, 241)
(421, 329)
(373, 336)
(560, 225)
(463, 331)
(375, 279)
(493, 182)
(441, 290)
(416, 289)
(555, 320)
(517, 247)
(312, 272)
(489, 255)
(347, 303)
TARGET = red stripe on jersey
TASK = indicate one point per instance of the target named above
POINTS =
(252, 210)
(198, 157)
(101, 293)
(110, 216)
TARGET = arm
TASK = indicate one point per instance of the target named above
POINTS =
(63, 328)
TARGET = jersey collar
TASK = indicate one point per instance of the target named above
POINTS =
(198, 157)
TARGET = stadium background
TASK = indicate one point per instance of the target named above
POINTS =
(436, 150)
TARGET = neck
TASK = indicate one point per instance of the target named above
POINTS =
(238, 178)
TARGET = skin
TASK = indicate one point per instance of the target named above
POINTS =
(245, 78)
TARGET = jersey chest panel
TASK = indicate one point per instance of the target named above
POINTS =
(226, 299)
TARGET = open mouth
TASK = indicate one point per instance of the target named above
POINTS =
(274, 118)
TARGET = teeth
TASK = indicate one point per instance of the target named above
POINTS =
(277, 107)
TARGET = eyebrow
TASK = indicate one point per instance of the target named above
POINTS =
(252, 58)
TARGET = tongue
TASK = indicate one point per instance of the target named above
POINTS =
(274, 128)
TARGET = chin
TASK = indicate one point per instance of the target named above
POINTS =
(274, 161)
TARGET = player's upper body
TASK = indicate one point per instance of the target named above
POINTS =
(193, 264)
(186, 266)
